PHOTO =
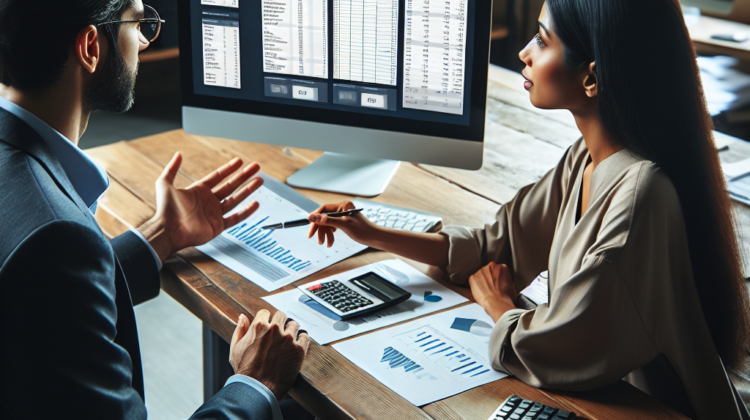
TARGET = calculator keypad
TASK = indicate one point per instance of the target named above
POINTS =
(339, 296)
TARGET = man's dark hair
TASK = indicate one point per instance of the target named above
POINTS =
(36, 36)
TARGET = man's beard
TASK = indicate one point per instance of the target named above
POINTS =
(113, 90)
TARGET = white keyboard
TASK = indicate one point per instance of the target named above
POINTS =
(397, 218)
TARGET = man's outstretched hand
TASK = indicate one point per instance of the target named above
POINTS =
(195, 215)
(270, 350)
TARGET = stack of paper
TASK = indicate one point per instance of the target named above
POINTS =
(738, 180)
(725, 87)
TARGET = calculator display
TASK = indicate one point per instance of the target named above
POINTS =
(380, 286)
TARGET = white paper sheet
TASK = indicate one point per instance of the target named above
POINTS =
(736, 170)
(431, 358)
(739, 189)
(428, 296)
(274, 258)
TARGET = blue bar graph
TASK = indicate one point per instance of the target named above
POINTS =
(397, 360)
(263, 242)
(450, 356)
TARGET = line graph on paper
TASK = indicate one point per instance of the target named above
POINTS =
(275, 258)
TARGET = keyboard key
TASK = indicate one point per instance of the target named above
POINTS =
(520, 411)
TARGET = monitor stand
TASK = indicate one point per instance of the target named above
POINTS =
(344, 174)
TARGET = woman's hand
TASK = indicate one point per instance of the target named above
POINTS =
(358, 227)
(493, 289)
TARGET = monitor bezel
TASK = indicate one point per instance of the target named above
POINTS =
(473, 132)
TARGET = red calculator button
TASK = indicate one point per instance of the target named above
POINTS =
(316, 287)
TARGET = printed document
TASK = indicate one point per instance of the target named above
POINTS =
(737, 175)
(275, 258)
(428, 296)
(431, 358)
(739, 189)
(537, 290)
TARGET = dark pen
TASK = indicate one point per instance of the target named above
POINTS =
(305, 222)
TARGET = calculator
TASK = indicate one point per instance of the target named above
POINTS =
(352, 298)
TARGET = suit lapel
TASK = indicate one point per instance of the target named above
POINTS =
(20, 135)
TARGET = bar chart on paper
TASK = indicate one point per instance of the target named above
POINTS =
(365, 40)
(449, 357)
(435, 55)
(295, 37)
(264, 243)
(274, 258)
(431, 358)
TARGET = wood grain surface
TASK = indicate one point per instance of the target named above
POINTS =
(522, 144)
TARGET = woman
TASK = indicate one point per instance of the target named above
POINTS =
(634, 224)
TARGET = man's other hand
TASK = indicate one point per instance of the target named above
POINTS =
(195, 215)
(270, 350)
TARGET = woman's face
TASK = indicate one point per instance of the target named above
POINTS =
(549, 82)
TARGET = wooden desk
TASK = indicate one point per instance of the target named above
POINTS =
(522, 143)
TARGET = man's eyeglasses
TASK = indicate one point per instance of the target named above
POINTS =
(150, 25)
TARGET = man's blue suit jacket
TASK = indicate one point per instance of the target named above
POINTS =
(69, 343)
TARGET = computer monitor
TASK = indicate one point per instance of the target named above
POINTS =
(723, 7)
(370, 82)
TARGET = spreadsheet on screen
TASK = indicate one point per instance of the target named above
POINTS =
(402, 58)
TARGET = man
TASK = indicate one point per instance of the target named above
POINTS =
(69, 340)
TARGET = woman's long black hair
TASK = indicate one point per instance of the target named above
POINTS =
(651, 100)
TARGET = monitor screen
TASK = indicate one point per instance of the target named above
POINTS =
(413, 66)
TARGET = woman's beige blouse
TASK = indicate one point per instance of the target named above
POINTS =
(622, 303)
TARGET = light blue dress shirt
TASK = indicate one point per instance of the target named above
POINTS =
(90, 181)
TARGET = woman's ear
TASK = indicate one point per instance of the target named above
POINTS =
(590, 81)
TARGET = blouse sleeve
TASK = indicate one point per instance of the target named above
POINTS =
(589, 335)
(521, 236)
